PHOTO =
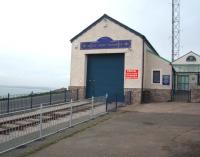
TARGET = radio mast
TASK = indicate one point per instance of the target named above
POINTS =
(175, 29)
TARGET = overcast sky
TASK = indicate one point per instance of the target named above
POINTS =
(34, 34)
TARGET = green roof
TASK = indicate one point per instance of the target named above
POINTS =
(190, 68)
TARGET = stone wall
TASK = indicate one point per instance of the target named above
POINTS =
(159, 95)
(77, 92)
(135, 95)
(195, 95)
(156, 95)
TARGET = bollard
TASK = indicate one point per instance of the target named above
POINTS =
(41, 107)
(70, 120)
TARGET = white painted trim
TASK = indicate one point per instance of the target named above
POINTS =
(152, 76)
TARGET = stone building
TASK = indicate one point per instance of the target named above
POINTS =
(109, 57)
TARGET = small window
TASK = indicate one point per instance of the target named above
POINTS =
(191, 59)
(156, 76)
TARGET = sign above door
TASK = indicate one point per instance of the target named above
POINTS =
(105, 43)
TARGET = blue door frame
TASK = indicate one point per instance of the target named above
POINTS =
(105, 74)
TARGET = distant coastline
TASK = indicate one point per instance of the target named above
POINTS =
(32, 87)
(21, 90)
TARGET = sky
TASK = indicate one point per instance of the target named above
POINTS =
(35, 34)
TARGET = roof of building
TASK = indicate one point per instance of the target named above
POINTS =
(183, 66)
(191, 52)
(120, 24)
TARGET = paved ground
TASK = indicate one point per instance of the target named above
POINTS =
(153, 130)
(172, 107)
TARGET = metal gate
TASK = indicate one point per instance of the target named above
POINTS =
(182, 88)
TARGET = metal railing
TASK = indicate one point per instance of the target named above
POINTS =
(21, 127)
(119, 101)
(11, 103)
(181, 95)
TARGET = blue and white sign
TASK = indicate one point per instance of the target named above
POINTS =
(166, 79)
(105, 43)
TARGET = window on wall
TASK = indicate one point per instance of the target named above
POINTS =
(156, 76)
(198, 79)
(191, 59)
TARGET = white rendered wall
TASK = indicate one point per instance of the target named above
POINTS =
(133, 56)
(153, 62)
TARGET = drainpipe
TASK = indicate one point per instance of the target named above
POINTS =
(142, 71)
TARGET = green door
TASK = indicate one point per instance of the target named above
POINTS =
(183, 82)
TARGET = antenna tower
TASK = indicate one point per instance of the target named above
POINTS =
(175, 29)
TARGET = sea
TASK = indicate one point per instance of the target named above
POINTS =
(21, 90)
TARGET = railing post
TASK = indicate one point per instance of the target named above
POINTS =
(41, 109)
(65, 98)
(77, 94)
(71, 112)
(106, 102)
(50, 97)
(172, 95)
(116, 102)
(8, 104)
(189, 96)
(92, 109)
(71, 94)
(32, 99)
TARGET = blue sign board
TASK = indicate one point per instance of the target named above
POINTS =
(166, 79)
(105, 43)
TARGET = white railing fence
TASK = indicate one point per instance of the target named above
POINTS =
(22, 127)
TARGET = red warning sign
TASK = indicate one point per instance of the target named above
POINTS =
(131, 73)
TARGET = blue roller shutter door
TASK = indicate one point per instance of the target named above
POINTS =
(105, 74)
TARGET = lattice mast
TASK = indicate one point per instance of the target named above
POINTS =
(175, 29)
